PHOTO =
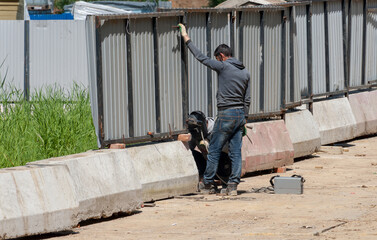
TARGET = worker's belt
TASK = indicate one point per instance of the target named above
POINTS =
(229, 107)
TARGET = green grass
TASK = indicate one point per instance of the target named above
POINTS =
(51, 124)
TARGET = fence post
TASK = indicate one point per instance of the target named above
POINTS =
(283, 60)
(99, 82)
(309, 50)
(26, 60)
(156, 75)
(345, 47)
(129, 80)
(184, 72)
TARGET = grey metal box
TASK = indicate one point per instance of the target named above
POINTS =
(288, 185)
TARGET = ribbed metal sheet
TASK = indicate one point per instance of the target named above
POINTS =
(301, 49)
(90, 35)
(114, 80)
(318, 48)
(356, 42)
(170, 74)
(12, 53)
(272, 61)
(336, 55)
(57, 54)
(252, 53)
(197, 72)
(143, 79)
(220, 33)
(371, 47)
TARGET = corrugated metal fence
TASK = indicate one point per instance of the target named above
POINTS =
(36, 54)
(147, 83)
(144, 82)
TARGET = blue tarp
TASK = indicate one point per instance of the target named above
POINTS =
(63, 16)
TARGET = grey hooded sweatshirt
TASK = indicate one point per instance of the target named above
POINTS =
(233, 80)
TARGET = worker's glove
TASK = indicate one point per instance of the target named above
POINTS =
(244, 131)
(182, 29)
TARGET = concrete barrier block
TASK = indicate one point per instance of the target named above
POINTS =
(105, 182)
(364, 108)
(266, 146)
(335, 120)
(304, 132)
(165, 169)
(36, 200)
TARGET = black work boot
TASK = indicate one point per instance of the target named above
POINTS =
(209, 188)
(232, 189)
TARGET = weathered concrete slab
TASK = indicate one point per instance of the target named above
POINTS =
(335, 120)
(36, 200)
(105, 182)
(364, 108)
(165, 169)
(266, 146)
(304, 132)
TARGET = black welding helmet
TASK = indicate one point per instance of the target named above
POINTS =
(196, 123)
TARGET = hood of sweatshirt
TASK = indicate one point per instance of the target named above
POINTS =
(235, 63)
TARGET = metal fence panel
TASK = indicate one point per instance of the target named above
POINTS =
(336, 56)
(301, 49)
(252, 56)
(272, 62)
(114, 79)
(143, 79)
(197, 72)
(318, 48)
(292, 84)
(220, 33)
(57, 54)
(90, 33)
(12, 53)
(170, 74)
(356, 33)
(371, 47)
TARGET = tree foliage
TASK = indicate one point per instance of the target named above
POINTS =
(214, 3)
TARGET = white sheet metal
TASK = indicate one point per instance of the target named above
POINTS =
(252, 55)
(336, 56)
(197, 72)
(12, 53)
(371, 47)
(356, 42)
(301, 49)
(272, 61)
(170, 74)
(114, 80)
(220, 33)
(143, 79)
(318, 48)
(57, 54)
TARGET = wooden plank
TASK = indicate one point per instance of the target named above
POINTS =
(8, 8)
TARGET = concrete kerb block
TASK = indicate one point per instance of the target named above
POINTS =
(335, 120)
(36, 200)
(165, 169)
(304, 132)
(105, 182)
(266, 146)
(364, 108)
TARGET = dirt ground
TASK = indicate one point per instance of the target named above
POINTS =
(339, 202)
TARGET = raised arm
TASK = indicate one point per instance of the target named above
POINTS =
(211, 63)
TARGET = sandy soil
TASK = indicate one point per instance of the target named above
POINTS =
(339, 202)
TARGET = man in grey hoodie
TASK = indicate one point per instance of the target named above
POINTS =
(233, 101)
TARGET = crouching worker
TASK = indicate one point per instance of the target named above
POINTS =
(233, 101)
